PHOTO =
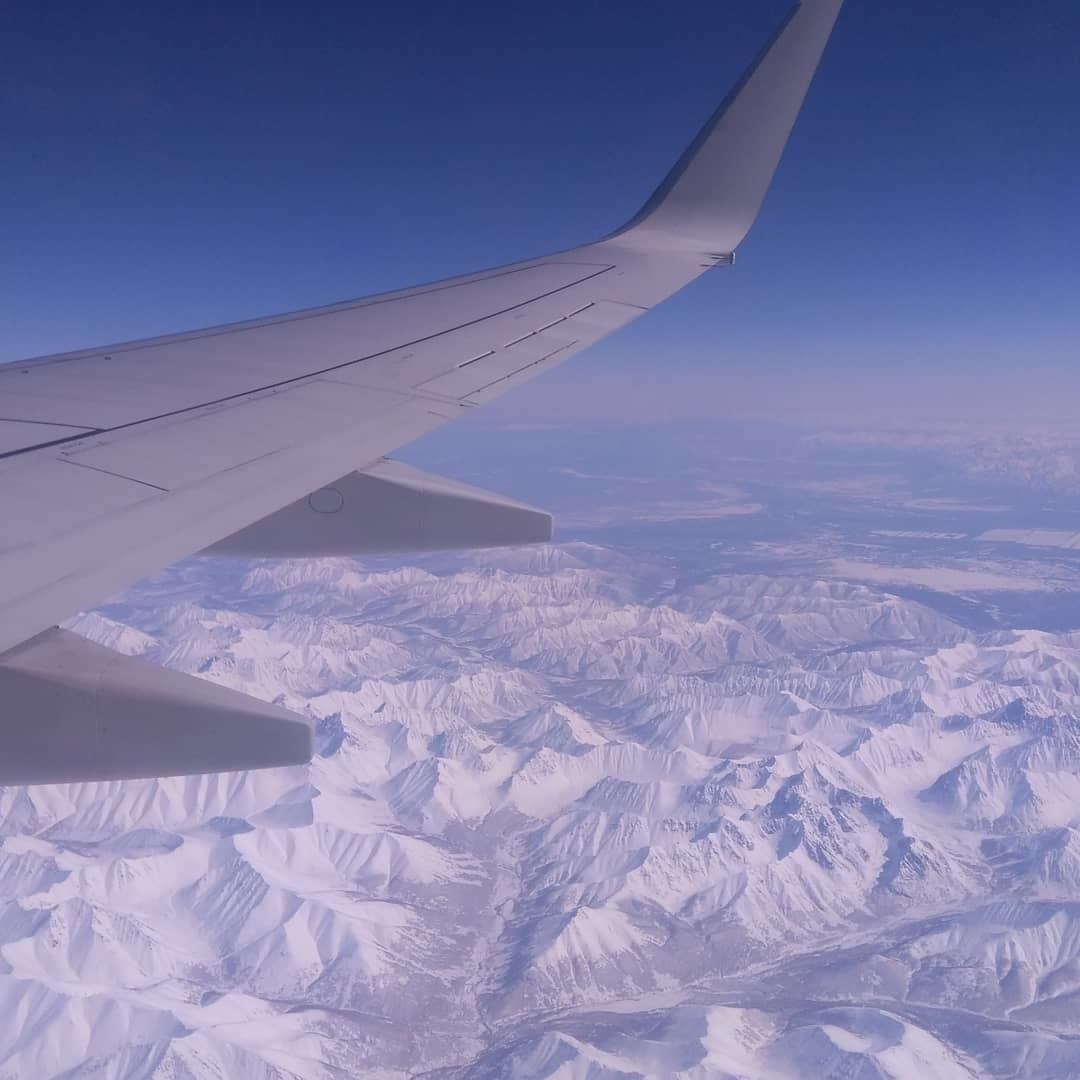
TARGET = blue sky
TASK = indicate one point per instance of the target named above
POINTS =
(168, 167)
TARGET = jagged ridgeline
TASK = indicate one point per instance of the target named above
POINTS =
(567, 813)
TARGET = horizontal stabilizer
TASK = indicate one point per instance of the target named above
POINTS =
(73, 711)
(389, 507)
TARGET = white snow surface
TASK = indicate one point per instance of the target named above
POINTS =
(570, 817)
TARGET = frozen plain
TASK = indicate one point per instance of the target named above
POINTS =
(722, 784)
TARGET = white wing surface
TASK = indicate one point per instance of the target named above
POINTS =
(116, 461)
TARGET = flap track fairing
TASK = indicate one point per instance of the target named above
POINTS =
(74, 711)
(385, 508)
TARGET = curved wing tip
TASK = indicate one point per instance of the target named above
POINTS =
(710, 198)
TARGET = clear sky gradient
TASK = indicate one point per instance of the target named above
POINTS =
(166, 167)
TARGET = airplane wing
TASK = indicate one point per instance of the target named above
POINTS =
(269, 437)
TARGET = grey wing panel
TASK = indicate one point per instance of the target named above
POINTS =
(119, 385)
(75, 531)
(550, 341)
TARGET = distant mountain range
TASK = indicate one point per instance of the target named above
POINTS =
(577, 812)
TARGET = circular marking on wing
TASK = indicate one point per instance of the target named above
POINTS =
(326, 500)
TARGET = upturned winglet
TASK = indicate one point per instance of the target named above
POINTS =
(711, 197)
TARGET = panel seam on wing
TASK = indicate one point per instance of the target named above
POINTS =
(314, 374)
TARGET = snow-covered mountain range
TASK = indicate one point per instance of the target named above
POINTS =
(576, 812)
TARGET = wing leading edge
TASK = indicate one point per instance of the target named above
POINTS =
(118, 460)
